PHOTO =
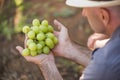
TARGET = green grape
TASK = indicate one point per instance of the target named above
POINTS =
(42, 43)
(51, 46)
(33, 53)
(39, 46)
(44, 23)
(36, 22)
(40, 36)
(44, 29)
(31, 34)
(46, 50)
(49, 43)
(32, 46)
(26, 52)
(35, 41)
(35, 29)
(50, 35)
(29, 41)
(50, 28)
(26, 29)
(39, 51)
(55, 40)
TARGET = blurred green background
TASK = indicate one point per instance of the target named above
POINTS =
(14, 14)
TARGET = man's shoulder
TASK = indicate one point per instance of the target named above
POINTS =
(105, 63)
(110, 54)
(113, 46)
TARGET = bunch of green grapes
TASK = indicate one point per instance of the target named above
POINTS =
(40, 38)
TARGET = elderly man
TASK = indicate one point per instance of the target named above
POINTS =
(104, 63)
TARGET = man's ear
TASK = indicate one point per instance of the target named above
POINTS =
(105, 16)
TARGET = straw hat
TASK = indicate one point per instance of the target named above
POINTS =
(92, 3)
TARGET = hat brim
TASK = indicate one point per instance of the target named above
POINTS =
(88, 3)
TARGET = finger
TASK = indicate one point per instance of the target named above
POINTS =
(90, 43)
(36, 59)
(30, 58)
(58, 24)
(56, 33)
(63, 29)
(19, 48)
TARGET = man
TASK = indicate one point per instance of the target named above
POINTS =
(104, 64)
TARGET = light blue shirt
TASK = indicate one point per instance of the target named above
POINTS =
(105, 62)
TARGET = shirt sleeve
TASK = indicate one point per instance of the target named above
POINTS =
(94, 71)
(102, 68)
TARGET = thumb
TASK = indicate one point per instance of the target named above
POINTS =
(28, 58)
(62, 28)
(19, 48)
(59, 25)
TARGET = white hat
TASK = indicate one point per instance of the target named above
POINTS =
(92, 3)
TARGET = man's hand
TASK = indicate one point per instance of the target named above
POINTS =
(97, 40)
(46, 64)
(63, 38)
(100, 43)
(68, 49)
(37, 59)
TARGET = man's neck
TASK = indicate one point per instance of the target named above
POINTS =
(112, 30)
